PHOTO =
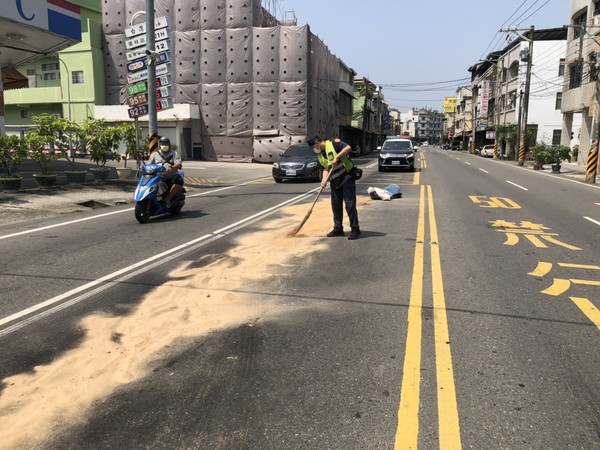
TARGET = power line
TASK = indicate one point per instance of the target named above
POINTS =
(429, 83)
(501, 26)
(544, 4)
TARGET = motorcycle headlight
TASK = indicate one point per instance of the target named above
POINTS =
(312, 164)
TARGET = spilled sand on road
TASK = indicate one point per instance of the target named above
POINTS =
(118, 350)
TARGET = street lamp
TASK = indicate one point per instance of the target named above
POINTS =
(68, 102)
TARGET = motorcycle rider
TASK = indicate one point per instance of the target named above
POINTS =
(171, 160)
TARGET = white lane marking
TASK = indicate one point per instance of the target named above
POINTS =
(541, 173)
(98, 216)
(515, 184)
(591, 220)
(142, 266)
(467, 163)
(483, 170)
(35, 230)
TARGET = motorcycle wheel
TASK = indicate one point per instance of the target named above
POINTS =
(143, 211)
(176, 209)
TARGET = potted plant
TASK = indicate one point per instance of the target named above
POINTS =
(102, 143)
(556, 154)
(60, 134)
(575, 152)
(40, 152)
(69, 135)
(131, 139)
(539, 153)
(12, 153)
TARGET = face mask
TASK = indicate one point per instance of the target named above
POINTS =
(316, 150)
(164, 148)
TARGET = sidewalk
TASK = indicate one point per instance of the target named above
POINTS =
(31, 204)
(571, 170)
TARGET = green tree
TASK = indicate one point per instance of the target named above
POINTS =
(39, 150)
(131, 139)
(12, 153)
(101, 141)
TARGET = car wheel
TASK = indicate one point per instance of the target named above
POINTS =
(380, 169)
(412, 168)
(277, 179)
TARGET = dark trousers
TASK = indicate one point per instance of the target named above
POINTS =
(346, 193)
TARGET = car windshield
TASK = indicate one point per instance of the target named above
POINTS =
(396, 145)
(299, 150)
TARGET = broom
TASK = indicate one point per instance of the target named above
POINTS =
(299, 227)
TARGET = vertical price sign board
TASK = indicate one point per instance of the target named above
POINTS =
(138, 91)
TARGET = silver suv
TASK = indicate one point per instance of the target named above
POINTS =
(397, 154)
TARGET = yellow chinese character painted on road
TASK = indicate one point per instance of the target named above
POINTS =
(561, 285)
(533, 232)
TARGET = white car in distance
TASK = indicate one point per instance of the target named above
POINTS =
(487, 151)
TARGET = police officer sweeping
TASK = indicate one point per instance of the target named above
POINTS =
(338, 170)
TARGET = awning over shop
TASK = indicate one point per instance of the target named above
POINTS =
(32, 29)
(13, 79)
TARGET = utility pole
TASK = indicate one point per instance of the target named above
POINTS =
(526, 55)
(150, 47)
(474, 93)
(526, 99)
(519, 123)
(592, 162)
(496, 115)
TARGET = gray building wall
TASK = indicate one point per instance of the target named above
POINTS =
(259, 88)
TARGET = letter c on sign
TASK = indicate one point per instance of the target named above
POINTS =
(21, 12)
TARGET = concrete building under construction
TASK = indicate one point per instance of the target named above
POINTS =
(251, 86)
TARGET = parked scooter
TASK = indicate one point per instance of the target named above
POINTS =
(151, 192)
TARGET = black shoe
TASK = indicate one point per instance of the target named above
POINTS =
(336, 232)
(354, 234)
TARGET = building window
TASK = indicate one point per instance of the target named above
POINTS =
(558, 100)
(556, 135)
(24, 114)
(596, 8)
(513, 71)
(561, 67)
(575, 74)
(77, 76)
(593, 64)
(50, 67)
(581, 21)
(50, 76)
(30, 72)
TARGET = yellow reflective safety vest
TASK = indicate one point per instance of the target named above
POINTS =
(330, 154)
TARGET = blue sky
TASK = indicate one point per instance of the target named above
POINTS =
(398, 42)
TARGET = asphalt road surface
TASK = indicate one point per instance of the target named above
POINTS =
(466, 316)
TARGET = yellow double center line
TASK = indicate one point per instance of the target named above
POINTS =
(407, 433)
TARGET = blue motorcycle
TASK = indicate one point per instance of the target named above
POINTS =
(151, 192)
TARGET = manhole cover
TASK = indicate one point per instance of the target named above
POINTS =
(93, 204)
